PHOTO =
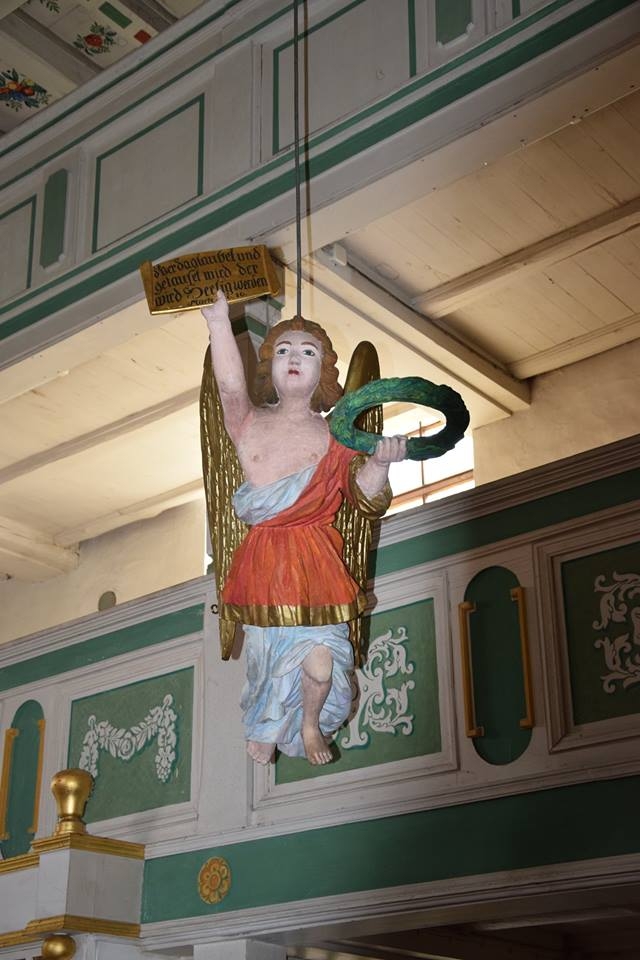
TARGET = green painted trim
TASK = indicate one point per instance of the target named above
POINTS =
(103, 647)
(511, 522)
(275, 145)
(406, 116)
(54, 215)
(30, 201)
(196, 101)
(452, 19)
(248, 324)
(413, 46)
(515, 9)
(507, 833)
(141, 65)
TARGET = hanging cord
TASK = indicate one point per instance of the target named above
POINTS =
(296, 156)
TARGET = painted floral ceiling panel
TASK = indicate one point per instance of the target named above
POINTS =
(50, 47)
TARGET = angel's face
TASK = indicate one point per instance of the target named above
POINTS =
(296, 364)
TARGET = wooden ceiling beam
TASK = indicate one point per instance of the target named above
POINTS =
(27, 554)
(459, 292)
(142, 510)
(94, 438)
(476, 372)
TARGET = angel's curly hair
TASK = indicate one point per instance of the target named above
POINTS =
(328, 391)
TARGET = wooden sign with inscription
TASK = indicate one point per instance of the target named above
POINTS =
(193, 280)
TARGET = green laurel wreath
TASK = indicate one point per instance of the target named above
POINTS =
(412, 389)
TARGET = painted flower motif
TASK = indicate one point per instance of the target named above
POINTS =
(214, 880)
(18, 91)
(126, 746)
(159, 724)
(100, 39)
(52, 5)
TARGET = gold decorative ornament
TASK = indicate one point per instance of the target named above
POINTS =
(472, 728)
(36, 798)
(90, 843)
(71, 790)
(193, 280)
(9, 736)
(58, 946)
(214, 880)
(70, 921)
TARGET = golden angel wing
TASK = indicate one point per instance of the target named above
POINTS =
(356, 525)
(222, 475)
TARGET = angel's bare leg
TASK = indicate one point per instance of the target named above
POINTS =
(260, 752)
(316, 683)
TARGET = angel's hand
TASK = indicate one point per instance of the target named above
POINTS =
(216, 313)
(390, 450)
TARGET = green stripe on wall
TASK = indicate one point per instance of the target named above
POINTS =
(54, 215)
(508, 833)
(96, 649)
(351, 146)
(520, 519)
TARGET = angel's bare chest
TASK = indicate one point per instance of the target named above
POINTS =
(270, 448)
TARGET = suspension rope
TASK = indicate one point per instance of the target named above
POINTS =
(296, 155)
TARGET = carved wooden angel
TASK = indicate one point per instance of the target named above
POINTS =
(290, 513)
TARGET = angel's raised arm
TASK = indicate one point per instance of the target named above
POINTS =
(227, 366)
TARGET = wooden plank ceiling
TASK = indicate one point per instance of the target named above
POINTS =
(533, 262)
(533, 259)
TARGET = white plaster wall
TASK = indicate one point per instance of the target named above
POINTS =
(132, 561)
(576, 408)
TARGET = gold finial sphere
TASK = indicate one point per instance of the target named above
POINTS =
(71, 790)
(58, 946)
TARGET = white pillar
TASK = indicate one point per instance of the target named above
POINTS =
(239, 950)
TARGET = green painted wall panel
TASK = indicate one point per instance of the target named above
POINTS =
(53, 218)
(423, 705)
(99, 648)
(601, 594)
(127, 774)
(498, 682)
(23, 780)
(529, 830)
(452, 19)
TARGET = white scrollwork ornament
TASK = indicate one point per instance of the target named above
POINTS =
(621, 653)
(382, 708)
(159, 724)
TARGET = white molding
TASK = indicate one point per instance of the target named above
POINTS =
(28, 554)
(150, 607)
(578, 539)
(513, 491)
(578, 348)
(448, 901)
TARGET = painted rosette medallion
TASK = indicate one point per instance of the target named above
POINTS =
(214, 880)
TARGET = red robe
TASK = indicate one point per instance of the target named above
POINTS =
(289, 570)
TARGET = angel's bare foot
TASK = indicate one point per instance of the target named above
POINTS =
(316, 683)
(315, 746)
(260, 752)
